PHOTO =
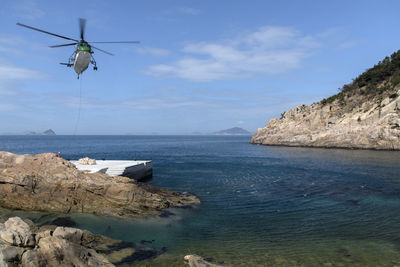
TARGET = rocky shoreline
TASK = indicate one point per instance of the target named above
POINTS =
(44, 182)
(22, 243)
(363, 123)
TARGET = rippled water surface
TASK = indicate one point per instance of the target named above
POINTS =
(260, 205)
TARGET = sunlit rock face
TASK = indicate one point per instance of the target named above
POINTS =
(45, 182)
(354, 121)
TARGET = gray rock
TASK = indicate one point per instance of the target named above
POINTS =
(60, 252)
(197, 261)
(32, 258)
(64, 246)
(9, 255)
(42, 234)
(71, 234)
(17, 232)
(11, 237)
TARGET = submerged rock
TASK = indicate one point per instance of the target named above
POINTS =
(64, 221)
(146, 241)
(45, 182)
(343, 252)
(166, 214)
(63, 246)
(197, 261)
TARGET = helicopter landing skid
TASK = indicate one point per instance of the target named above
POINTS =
(70, 61)
(93, 62)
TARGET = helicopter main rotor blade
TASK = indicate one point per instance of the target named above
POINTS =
(54, 46)
(82, 25)
(39, 30)
(118, 42)
(102, 50)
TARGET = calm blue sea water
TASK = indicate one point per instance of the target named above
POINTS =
(260, 205)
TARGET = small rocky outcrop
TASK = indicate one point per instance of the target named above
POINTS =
(24, 244)
(233, 131)
(197, 261)
(87, 161)
(47, 132)
(45, 182)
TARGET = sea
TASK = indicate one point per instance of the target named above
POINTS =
(260, 205)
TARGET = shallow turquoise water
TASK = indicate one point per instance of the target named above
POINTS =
(260, 205)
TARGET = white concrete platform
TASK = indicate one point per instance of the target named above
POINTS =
(135, 169)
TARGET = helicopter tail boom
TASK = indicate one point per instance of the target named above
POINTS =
(67, 64)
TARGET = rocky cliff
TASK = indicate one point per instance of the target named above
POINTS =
(364, 115)
(45, 182)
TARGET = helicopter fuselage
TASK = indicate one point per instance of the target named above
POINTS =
(82, 60)
(83, 56)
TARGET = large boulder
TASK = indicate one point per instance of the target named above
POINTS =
(17, 232)
(60, 252)
(45, 182)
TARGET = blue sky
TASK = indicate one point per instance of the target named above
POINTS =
(201, 65)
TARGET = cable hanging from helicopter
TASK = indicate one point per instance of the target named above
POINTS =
(83, 54)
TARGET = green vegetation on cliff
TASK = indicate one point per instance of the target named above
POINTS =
(382, 77)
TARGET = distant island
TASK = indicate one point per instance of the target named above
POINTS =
(47, 132)
(233, 131)
(365, 114)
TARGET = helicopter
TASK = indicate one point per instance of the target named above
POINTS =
(83, 54)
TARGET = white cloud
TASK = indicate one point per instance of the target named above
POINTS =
(5, 49)
(16, 73)
(4, 91)
(28, 9)
(165, 101)
(18, 45)
(8, 44)
(8, 107)
(347, 45)
(181, 10)
(267, 51)
(188, 10)
(152, 51)
(162, 102)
